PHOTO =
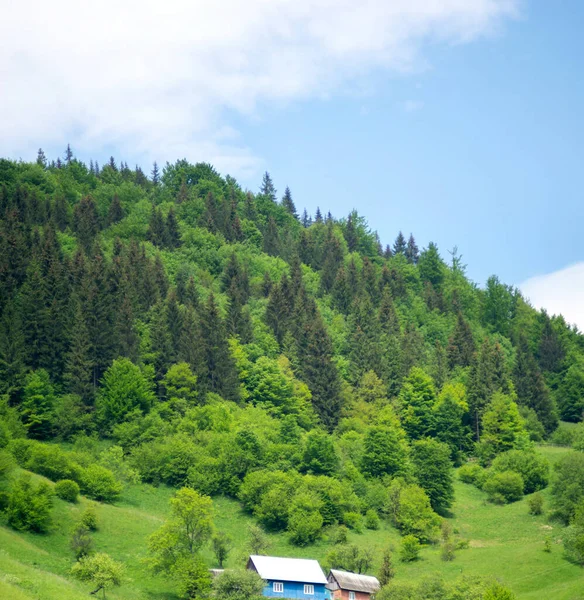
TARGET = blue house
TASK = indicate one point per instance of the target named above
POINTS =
(295, 578)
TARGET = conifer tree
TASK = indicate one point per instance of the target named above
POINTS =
(171, 232)
(399, 246)
(333, 259)
(272, 244)
(411, 252)
(387, 253)
(155, 174)
(12, 350)
(288, 203)
(86, 222)
(156, 228)
(78, 364)
(115, 212)
(551, 352)
(220, 376)
(128, 340)
(41, 159)
(461, 346)
(431, 266)
(417, 399)
(68, 154)
(387, 572)
(318, 216)
(160, 340)
(60, 213)
(351, 232)
(267, 188)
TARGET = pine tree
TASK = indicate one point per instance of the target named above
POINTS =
(174, 319)
(172, 233)
(156, 229)
(318, 216)
(411, 252)
(78, 364)
(12, 351)
(68, 154)
(288, 203)
(60, 213)
(220, 376)
(351, 233)
(551, 352)
(161, 340)
(155, 174)
(86, 222)
(432, 267)
(112, 164)
(272, 238)
(333, 259)
(279, 309)
(128, 340)
(267, 188)
(115, 212)
(399, 246)
(41, 159)
(306, 220)
(461, 346)
(387, 253)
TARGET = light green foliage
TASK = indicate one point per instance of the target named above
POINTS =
(38, 404)
(67, 490)
(502, 428)
(535, 504)
(410, 548)
(238, 585)
(568, 485)
(222, 545)
(371, 519)
(385, 451)
(194, 579)
(433, 469)
(257, 540)
(114, 460)
(189, 527)
(472, 473)
(578, 440)
(570, 394)
(449, 412)
(100, 570)
(410, 510)
(504, 487)
(29, 507)
(349, 557)
(99, 483)
(417, 399)
(180, 384)
(89, 517)
(124, 388)
(354, 521)
(532, 466)
(574, 537)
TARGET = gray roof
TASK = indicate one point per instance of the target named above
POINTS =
(287, 569)
(354, 582)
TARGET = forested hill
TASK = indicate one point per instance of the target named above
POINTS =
(226, 341)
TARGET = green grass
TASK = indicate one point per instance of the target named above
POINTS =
(505, 541)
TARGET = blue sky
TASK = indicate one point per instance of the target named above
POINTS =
(457, 120)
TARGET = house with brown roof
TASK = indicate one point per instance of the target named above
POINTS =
(351, 586)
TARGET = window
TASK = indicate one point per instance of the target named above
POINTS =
(278, 586)
(352, 596)
(309, 590)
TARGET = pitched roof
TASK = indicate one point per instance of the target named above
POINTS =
(355, 582)
(288, 569)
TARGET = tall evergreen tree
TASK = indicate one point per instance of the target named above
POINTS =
(115, 212)
(288, 203)
(155, 174)
(411, 252)
(272, 238)
(461, 346)
(79, 366)
(267, 188)
(399, 246)
(156, 228)
(171, 231)
(86, 222)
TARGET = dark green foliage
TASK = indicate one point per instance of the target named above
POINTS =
(535, 503)
(461, 346)
(81, 541)
(222, 545)
(384, 452)
(86, 222)
(433, 469)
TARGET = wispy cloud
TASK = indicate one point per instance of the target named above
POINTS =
(159, 79)
(412, 105)
(560, 292)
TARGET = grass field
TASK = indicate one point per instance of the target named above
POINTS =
(505, 541)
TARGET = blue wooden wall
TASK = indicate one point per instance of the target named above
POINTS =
(295, 591)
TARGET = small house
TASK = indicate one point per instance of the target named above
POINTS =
(352, 586)
(295, 578)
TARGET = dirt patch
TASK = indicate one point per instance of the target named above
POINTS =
(480, 544)
(546, 527)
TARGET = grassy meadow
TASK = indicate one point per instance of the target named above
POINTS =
(504, 541)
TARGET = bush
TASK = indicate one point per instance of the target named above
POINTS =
(304, 527)
(410, 548)
(533, 468)
(340, 535)
(504, 487)
(67, 490)
(535, 503)
(563, 435)
(470, 472)
(4, 501)
(81, 542)
(99, 483)
(29, 507)
(371, 519)
(89, 518)
(574, 544)
(353, 520)
(238, 585)
(568, 485)
(6, 463)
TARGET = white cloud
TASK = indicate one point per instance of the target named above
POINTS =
(561, 292)
(159, 79)
(413, 105)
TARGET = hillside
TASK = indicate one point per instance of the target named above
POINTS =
(176, 331)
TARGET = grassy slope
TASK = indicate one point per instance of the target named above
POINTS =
(504, 540)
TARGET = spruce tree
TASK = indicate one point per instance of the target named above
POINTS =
(399, 246)
(155, 174)
(288, 203)
(351, 232)
(78, 364)
(272, 243)
(171, 232)
(461, 346)
(306, 220)
(411, 252)
(333, 259)
(156, 229)
(86, 222)
(551, 352)
(12, 351)
(115, 212)
(267, 188)
(41, 159)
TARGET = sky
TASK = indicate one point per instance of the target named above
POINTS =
(456, 120)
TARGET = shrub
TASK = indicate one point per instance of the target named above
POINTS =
(410, 548)
(574, 537)
(353, 520)
(469, 473)
(81, 542)
(89, 518)
(504, 487)
(67, 490)
(371, 519)
(29, 507)
(563, 435)
(6, 463)
(238, 585)
(568, 485)
(4, 501)
(533, 468)
(535, 503)
(447, 550)
(99, 483)
(21, 449)
(304, 526)
(340, 535)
